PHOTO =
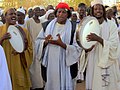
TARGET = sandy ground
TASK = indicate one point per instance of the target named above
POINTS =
(81, 86)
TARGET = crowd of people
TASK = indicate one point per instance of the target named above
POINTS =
(52, 58)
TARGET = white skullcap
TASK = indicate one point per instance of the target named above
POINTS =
(21, 9)
(94, 2)
(42, 7)
(48, 12)
(77, 14)
(108, 8)
(36, 6)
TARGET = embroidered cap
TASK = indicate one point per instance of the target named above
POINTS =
(21, 9)
(94, 2)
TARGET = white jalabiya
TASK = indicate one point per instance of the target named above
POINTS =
(102, 62)
(56, 59)
(35, 68)
(5, 81)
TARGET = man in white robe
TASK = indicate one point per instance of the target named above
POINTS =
(53, 46)
(34, 26)
(5, 81)
(102, 71)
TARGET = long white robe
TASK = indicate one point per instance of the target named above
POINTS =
(102, 62)
(5, 81)
(56, 59)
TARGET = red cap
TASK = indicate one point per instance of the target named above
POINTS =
(63, 5)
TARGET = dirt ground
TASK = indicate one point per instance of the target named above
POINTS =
(81, 86)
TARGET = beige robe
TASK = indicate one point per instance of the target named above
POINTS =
(18, 67)
(35, 69)
(102, 72)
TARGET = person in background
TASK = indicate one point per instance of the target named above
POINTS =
(18, 63)
(115, 12)
(55, 52)
(49, 15)
(29, 14)
(82, 15)
(102, 70)
(2, 17)
(72, 9)
(34, 26)
(42, 11)
(49, 7)
(5, 81)
(82, 11)
(21, 17)
(75, 16)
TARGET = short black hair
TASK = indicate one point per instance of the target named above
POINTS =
(81, 5)
(72, 8)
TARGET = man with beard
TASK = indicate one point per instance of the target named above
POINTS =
(102, 71)
(18, 63)
(57, 53)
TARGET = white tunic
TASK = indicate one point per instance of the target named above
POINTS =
(102, 62)
(5, 81)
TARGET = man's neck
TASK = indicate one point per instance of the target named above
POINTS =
(36, 19)
(100, 20)
(21, 22)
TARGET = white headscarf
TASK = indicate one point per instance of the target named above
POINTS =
(48, 13)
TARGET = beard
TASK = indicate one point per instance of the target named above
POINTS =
(99, 17)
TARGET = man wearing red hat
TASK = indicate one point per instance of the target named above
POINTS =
(57, 53)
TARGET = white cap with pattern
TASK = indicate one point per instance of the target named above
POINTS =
(21, 9)
(94, 2)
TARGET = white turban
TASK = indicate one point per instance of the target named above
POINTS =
(94, 2)
(21, 9)
(48, 13)
(77, 14)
